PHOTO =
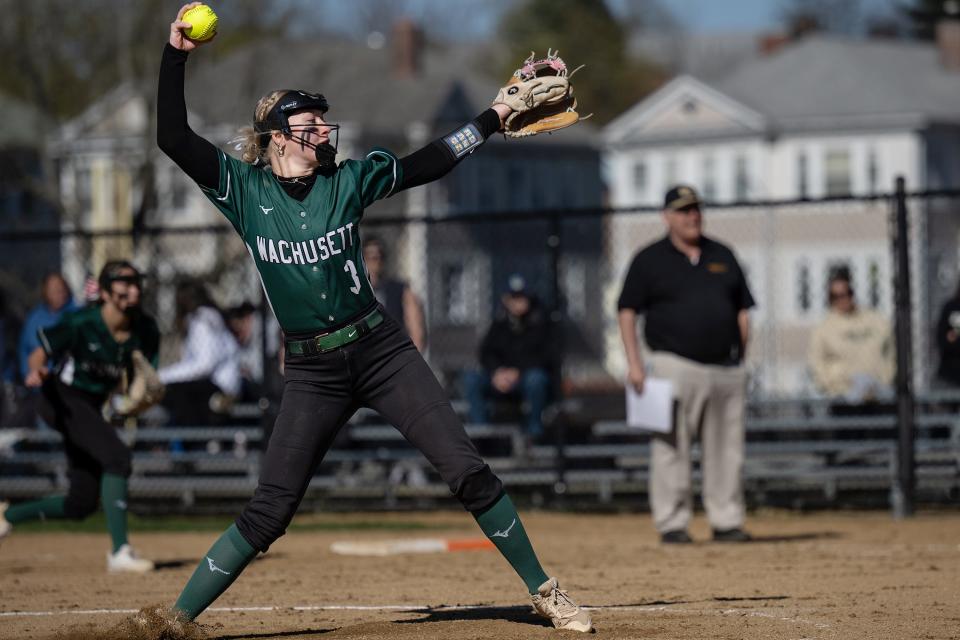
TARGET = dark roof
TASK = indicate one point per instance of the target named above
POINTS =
(824, 78)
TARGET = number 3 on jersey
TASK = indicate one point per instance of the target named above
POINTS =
(352, 270)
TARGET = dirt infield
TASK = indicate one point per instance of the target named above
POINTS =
(843, 576)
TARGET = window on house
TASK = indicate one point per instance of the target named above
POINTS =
(874, 284)
(709, 178)
(670, 172)
(640, 178)
(803, 178)
(575, 287)
(873, 172)
(454, 294)
(82, 188)
(741, 187)
(837, 166)
(804, 298)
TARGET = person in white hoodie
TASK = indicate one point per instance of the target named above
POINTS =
(202, 384)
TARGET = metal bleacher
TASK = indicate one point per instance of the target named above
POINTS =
(797, 453)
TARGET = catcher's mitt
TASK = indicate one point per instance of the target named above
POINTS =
(541, 97)
(144, 390)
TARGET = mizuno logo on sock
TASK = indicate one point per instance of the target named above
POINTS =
(120, 504)
(504, 534)
(214, 568)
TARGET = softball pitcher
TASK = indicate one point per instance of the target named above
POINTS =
(298, 212)
(90, 349)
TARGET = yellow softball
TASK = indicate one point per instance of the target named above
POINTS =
(203, 23)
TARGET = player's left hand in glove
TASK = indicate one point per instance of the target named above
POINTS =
(541, 97)
(144, 390)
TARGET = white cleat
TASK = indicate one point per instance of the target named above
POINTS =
(5, 527)
(556, 606)
(125, 560)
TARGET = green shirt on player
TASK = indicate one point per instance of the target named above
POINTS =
(308, 253)
(88, 356)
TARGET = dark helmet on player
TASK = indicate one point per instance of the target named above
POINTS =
(120, 271)
(278, 119)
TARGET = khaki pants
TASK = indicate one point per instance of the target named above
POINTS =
(709, 403)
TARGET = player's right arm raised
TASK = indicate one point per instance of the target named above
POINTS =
(196, 156)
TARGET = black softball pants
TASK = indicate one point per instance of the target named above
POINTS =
(382, 371)
(92, 446)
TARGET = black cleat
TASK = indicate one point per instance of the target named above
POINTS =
(677, 536)
(731, 535)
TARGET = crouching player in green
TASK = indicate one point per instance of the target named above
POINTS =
(79, 362)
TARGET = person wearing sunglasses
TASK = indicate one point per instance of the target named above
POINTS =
(852, 352)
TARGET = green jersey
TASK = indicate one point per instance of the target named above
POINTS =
(86, 353)
(308, 253)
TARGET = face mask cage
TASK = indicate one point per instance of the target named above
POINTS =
(278, 119)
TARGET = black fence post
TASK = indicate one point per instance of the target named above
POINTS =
(555, 248)
(902, 492)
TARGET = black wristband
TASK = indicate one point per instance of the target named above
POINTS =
(465, 140)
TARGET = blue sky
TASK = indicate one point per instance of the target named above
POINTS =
(701, 16)
(719, 16)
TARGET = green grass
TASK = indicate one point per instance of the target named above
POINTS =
(149, 524)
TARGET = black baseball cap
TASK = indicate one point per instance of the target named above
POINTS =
(516, 285)
(679, 197)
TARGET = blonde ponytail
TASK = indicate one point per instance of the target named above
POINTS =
(254, 146)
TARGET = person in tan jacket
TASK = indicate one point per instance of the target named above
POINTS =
(852, 353)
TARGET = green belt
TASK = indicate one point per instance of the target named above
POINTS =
(335, 339)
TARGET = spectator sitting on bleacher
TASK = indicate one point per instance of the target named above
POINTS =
(948, 341)
(516, 357)
(201, 385)
(396, 296)
(852, 350)
(7, 365)
(243, 324)
(55, 300)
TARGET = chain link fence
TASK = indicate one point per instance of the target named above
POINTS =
(573, 262)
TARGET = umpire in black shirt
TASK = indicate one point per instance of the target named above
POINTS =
(695, 300)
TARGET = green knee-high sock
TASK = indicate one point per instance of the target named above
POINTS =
(49, 507)
(228, 556)
(113, 497)
(502, 525)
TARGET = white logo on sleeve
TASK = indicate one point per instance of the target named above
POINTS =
(504, 534)
(265, 210)
(93, 346)
(214, 568)
(352, 333)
